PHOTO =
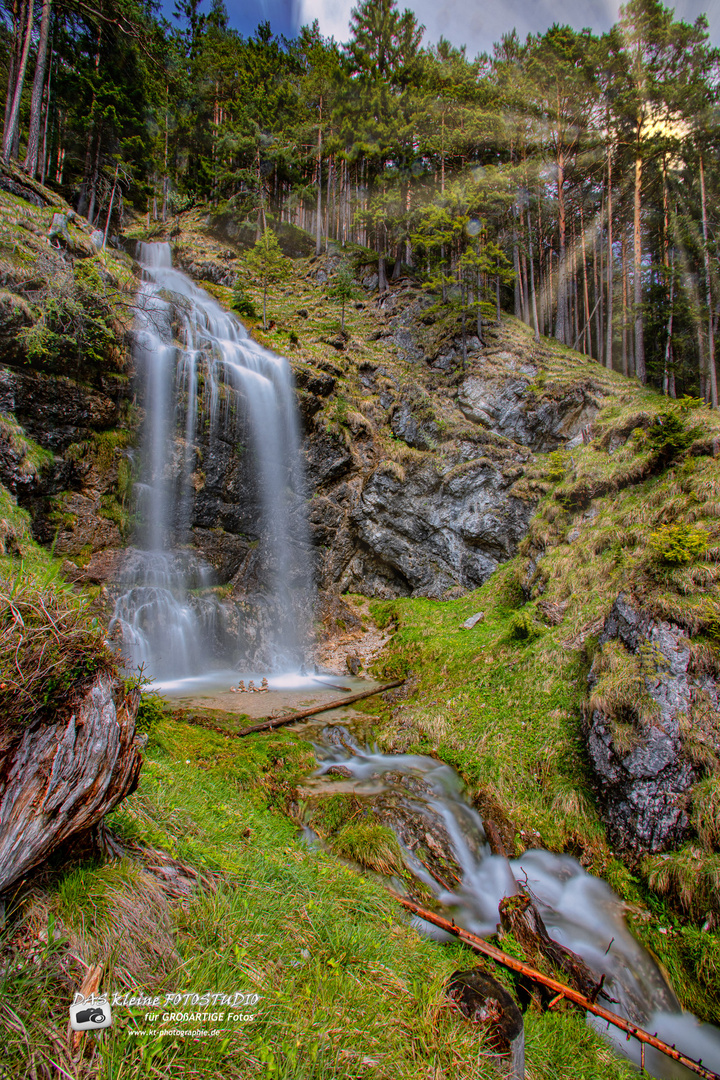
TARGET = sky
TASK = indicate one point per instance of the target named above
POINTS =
(475, 23)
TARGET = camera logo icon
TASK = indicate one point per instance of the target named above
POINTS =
(90, 1014)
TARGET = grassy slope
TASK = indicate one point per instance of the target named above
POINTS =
(503, 701)
(347, 988)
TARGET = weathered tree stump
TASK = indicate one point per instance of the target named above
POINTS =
(520, 917)
(58, 779)
(483, 1000)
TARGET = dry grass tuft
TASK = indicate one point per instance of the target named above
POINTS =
(690, 878)
(50, 645)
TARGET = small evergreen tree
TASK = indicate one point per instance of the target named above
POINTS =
(267, 261)
(342, 289)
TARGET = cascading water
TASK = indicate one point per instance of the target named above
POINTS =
(205, 377)
(580, 911)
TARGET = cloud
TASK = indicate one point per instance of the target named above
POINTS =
(479, 24)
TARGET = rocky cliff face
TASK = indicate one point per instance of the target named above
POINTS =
(646, 765)
(422, 491)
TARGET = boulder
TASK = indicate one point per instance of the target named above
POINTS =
(59, 779)
(644, 789)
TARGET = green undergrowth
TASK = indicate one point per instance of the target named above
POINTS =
(346, 986)
(66, 309)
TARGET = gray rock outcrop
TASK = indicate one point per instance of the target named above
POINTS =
(507, 406)
(644, 789)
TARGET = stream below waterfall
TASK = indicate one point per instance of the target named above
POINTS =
(580, 911)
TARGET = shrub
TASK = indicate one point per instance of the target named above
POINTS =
(242, 303)
(523, 627)
(150, 712)
(668, 435)
(677, 545)
(556, 471)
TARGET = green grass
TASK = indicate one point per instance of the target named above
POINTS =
(347, 988)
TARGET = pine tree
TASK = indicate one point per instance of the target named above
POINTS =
(267, 261)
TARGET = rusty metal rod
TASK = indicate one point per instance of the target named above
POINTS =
(484, 947)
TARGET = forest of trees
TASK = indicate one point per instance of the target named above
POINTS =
(571, 177)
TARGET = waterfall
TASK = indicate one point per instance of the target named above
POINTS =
(207, 384)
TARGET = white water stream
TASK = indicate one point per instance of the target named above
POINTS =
(579, 910)
(204, 376)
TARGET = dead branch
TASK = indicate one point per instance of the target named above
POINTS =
(486, 949)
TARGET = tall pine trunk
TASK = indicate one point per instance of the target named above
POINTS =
(36, 98)
(533, 296)
(561, 327)
(48, 89)
(637, 281)
(12, 123)
(13, 57)
(587, 341)
(610, 275)
(318, 224)
(624, 304)
(712, 370)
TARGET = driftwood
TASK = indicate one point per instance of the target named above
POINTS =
(60, 779)
(483, 1000)
(520, 917)
(561, 990)
(267, 723)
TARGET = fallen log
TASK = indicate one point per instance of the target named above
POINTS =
(267, 723)
(561, 990)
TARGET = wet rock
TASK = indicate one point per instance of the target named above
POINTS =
(644, 790)
(102, 567)
(53, 410)
(354, 664)
(413, 429)
(317, 382)
(327, 458)
(482, 999)
(204, 270)
(59, 779)
(21, 190)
